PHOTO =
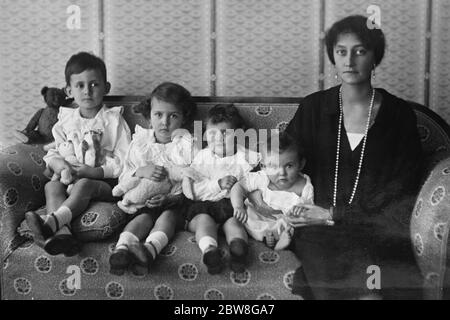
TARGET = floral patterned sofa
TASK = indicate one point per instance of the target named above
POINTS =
(29, 273)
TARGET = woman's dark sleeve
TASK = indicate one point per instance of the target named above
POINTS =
(401, 191)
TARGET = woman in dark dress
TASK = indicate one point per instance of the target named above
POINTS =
(364, 157)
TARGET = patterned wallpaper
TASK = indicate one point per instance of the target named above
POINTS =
(267, 48)
(154, 41)
(35, 44)
(221, 47)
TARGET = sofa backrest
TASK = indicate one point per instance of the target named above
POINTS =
(275, 113)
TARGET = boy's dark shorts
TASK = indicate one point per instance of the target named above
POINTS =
(112, 182)
(220, 211)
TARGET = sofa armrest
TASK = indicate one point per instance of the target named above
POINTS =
(429, 231)
(21, 188)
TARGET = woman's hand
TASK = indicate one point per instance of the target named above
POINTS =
(308, 214)
(240, 214)
(152, 172)
(156, 201)
(295, 211)
(314, 212)
(261, 207)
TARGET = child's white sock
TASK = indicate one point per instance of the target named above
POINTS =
(63, 216)
(206, 242)
(211, 258)
(155, 242)
(64, 230)
(125, 239)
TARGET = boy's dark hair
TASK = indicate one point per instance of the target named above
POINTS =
(174, 94)
(84, 61)
(372, 39)
(285, 142)
(226, 113)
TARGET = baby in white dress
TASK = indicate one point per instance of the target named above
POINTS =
(284, 188)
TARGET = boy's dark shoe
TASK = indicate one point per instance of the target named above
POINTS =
(211, 258)
(119, 261)
(238, 255)
(62, 243)
(142, 259)
(41, 232)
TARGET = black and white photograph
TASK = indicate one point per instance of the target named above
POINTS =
(225, 154)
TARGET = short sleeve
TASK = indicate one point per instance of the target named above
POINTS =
(255, 181)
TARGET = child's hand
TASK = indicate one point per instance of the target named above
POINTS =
(85, 171)
(227, 182)
(156, 201)
(57, 165)
(152, 172)
(240, 213)
(81, 170)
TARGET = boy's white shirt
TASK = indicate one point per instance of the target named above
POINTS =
(213, 168)
(116, 135)
(278, 199)
(144, 150)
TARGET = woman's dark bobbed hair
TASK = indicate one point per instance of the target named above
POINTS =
(371, 38)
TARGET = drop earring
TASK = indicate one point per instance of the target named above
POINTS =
(336, 77)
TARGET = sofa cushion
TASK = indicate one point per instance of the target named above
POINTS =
(21, 188)
(30, 273)
(98, 222)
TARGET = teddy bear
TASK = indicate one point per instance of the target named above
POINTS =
(39, 128)
(136, 191)
(67, 151)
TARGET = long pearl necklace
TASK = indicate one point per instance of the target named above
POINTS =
(341, 115)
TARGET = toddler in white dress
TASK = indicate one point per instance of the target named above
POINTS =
(284, 188)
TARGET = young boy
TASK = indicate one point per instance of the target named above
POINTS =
(87, 83)
(222, 163)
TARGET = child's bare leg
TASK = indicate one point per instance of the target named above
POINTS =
(55, 195)
(43, 230)
(140, 225)
(237, 240)
(162, 232)
(84, 190)
(205, 229)
(133, 232)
